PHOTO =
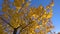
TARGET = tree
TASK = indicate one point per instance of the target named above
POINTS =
(18, 15)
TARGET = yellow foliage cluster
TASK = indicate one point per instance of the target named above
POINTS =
(28, 19)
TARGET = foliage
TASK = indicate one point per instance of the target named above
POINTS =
(29, 20)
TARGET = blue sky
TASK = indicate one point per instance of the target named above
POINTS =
(56, 11)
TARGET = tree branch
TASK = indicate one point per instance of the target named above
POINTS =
(5, 21)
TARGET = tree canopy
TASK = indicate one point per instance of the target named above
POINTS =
(18, 15)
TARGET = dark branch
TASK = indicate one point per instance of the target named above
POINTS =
(25, 26)
(15, 31)
(6, 21)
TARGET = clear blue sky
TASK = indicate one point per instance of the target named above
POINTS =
(56, 11)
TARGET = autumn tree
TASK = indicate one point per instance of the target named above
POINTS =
(18, 15)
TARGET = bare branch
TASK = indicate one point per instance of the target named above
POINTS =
(5, 21)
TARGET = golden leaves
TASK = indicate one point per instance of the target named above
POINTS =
(15, 20)
(10, 12)
(4, 9)
(2, 30)
(26, 5)
(5, 6)
(30, 13)
(49, 15)
(18, 18)
(40, 7)
(52, 3)
(5, 16)
(19, 3)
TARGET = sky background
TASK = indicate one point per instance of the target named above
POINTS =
(56, 11)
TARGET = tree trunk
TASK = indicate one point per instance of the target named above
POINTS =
(15, 31)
